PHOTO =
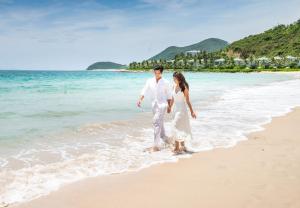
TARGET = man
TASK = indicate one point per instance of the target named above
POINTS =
(159, 91)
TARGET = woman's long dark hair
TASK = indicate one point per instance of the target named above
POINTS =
(181, 79)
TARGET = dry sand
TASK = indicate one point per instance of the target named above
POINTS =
(263, 171)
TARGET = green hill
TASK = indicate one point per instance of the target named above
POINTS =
(281, 40)
(208, 45)
(106, 65)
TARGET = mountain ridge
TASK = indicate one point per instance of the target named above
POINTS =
(208, 45)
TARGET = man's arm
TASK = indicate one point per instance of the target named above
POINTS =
(139, 102)
(143, 92)
(170, 98)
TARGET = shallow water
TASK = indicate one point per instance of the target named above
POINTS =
(57, 127)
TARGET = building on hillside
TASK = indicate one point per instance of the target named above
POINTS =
(263, 60)
(278, 58)
(239, 61)
(220, 61)
(192, 52)
(291, 58)
(180, 62)
(170, 61)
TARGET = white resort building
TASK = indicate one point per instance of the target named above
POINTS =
(291, 58)
(220, 61)
(238, 61)
(263, 60)
(192, 52)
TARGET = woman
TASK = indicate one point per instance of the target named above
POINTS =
(181, 129)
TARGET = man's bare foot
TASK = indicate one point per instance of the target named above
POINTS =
(3, 204)
(152, 149)
(155, 149)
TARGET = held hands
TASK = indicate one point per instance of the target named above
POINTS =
(139, 103)
(169, 109)
(193, 114)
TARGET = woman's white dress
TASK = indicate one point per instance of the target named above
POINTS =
(181, 128)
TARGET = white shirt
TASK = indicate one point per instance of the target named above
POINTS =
(158, 92)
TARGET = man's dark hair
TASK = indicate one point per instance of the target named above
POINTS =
(159, 67)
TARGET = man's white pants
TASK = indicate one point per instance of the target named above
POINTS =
(158, 123)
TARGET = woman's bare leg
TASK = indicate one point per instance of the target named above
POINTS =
(182, 147)
(177, 147)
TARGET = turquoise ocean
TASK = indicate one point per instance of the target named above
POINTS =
(58, 127)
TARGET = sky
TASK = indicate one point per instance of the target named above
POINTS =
(72, 34)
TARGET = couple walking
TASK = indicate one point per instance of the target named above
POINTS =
(166, 99)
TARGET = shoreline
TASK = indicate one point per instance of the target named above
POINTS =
(257, 172)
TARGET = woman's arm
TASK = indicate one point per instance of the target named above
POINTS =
(187, 98)
(172, 102)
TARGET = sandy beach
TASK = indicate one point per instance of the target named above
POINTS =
(263, 171)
